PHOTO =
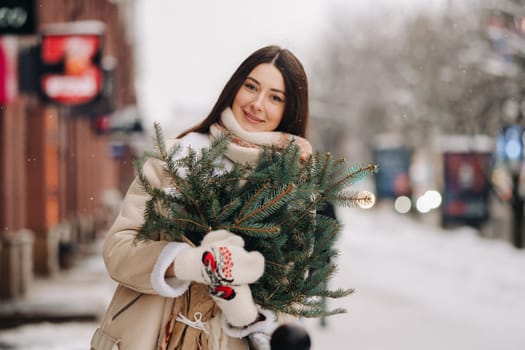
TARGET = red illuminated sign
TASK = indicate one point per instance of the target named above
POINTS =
(70, 55)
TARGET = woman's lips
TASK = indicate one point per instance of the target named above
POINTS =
(252, 119)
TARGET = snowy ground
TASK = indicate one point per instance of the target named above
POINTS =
(417, 287)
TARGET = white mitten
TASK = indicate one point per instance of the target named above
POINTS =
(240, 315)
(220, 260)
(237, 304)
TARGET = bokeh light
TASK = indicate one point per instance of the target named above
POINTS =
(403, 204)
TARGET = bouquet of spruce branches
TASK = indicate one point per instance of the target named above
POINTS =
(275, 205)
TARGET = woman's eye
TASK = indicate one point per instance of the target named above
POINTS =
(250, 86)
(277, 98)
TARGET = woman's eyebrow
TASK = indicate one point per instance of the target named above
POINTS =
(254, 80)
(272, 89)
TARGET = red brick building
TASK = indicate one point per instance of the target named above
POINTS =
(54, 166)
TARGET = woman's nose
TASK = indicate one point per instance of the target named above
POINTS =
(257, 101)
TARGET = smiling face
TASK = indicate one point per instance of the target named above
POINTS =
(261, 100)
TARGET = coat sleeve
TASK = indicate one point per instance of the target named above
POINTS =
(129, 262)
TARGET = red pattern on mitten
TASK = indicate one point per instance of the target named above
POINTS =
(220, 260)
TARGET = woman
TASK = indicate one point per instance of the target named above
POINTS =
(170, 295)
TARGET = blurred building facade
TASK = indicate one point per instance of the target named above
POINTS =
(61, 167)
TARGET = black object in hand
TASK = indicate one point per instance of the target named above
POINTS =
(290, 337)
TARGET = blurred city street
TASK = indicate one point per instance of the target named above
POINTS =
(417, 287)
(429, 93)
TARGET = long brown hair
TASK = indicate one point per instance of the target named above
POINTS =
(296, 113)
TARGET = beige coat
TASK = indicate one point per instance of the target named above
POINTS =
(137, 315)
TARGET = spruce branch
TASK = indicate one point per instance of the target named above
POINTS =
(275, 205)
(272, 203)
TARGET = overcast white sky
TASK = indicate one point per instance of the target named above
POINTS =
(188, 49)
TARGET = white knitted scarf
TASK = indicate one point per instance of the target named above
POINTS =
(246, 145)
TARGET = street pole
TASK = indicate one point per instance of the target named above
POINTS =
(518, 205)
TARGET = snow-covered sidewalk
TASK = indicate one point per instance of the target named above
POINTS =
(417, 287)
(420, 287)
